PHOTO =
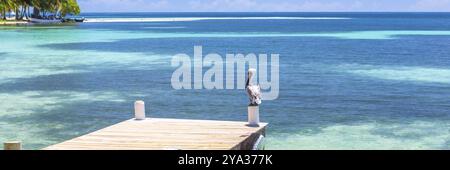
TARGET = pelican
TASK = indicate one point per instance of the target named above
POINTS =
(253, 91)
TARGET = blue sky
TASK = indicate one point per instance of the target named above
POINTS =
(262, 5)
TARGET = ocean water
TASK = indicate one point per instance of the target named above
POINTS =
(347, 80)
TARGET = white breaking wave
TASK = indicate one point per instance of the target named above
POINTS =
(401, 73)
(180, 19)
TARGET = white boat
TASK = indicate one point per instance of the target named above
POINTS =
(45, 21)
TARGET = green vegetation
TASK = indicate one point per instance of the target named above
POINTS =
(43, 9)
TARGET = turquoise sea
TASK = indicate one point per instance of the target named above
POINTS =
(347, 80)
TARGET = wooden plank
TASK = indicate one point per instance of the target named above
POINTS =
(160, 134)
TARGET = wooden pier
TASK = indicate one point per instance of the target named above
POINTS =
(168, 134)
(143, 133)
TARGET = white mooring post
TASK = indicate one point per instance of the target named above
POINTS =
(253, 115)
(139, 110)
(12, 145)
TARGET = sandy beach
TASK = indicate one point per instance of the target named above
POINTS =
(13, 22)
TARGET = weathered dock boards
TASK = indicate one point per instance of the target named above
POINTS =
(168, 134)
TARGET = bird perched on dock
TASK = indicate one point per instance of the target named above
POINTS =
(253, 91)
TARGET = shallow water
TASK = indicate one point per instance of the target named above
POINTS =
(370, 81)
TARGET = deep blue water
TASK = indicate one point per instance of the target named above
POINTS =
(366, 81)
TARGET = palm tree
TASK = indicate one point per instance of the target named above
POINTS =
(16, 5)
(2, 9)
(69, 7)
(5, 7)
(36, 6)
(25, 8)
